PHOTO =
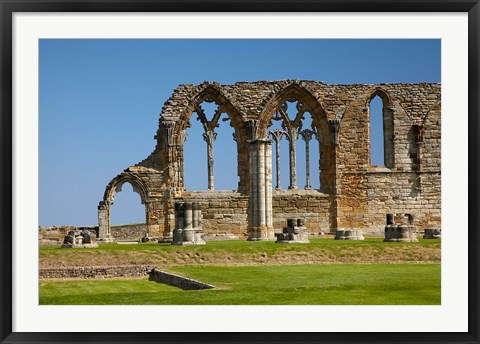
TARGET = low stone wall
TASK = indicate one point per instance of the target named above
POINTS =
(223, 212)
(178, 281)
(312, 205)
(96, 271)
(132, 231)
(54, 235)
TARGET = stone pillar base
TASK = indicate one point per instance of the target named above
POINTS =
(432, 233)
(147, 238)
(189, 243)
(92, 245)
(400, 233)
(262, 233)
(108, 239)
(349, 234)
(166, 239)
(184, 237)
(295, 232)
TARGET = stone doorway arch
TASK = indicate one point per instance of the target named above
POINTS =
(104, 230)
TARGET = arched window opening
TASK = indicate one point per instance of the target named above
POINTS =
(226, 156)
(194, 156)
(280, 154)
(292, 129)
(308, 155)
(210, 136)
(127, 207)
(377, 143)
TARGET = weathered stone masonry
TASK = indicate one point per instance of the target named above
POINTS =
(353, 194)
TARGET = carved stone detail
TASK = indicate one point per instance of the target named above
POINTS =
(307, 135)
(210, 136)
(335, 130)
(277, 135)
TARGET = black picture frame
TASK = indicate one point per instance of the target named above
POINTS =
(8, 7)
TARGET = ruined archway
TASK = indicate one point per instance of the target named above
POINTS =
(211, 93)
(308, 202)
(112, 188)
(321, 130)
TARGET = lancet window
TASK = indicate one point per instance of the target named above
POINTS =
(210, 115)
(381, 130)
(292, 122)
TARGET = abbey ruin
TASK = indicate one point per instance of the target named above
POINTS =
(354, 196)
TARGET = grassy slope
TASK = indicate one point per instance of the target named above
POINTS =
(244, 253)
(280, 284)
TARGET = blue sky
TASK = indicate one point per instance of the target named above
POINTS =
(100, 102)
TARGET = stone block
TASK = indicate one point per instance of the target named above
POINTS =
(294, 233)
(400, 233)
(432, 233)
(184, 233)
(349, 234)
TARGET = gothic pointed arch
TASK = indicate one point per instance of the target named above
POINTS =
(275, 109)
(300, 93)
(116, 184)
(382, 93)
(209, 92)
(387, 127)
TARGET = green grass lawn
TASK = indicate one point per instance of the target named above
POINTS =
(320, 284)
(370, 250)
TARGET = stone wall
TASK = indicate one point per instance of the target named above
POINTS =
(54, 235)
(227, 212)
(410, 181)
(178, 281)
(96, 271)
(133, 231)
(223, 212)
(353, 195)
(312, 205)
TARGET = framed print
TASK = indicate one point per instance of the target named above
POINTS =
(286, 169)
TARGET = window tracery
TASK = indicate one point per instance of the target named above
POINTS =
(289, 124)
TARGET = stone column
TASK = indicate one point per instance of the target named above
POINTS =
(197, 223)
(178, 231)
(307, 135)
(268, 188)
(104, 222)
(196, 213)
(277, 137)
(188, 226)
(292, 133)
(261, 185)
(209, 136)
(181, 173)
(167, 131)
(253, 162)
(261, 214)
(188, 231)
(188, 215)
